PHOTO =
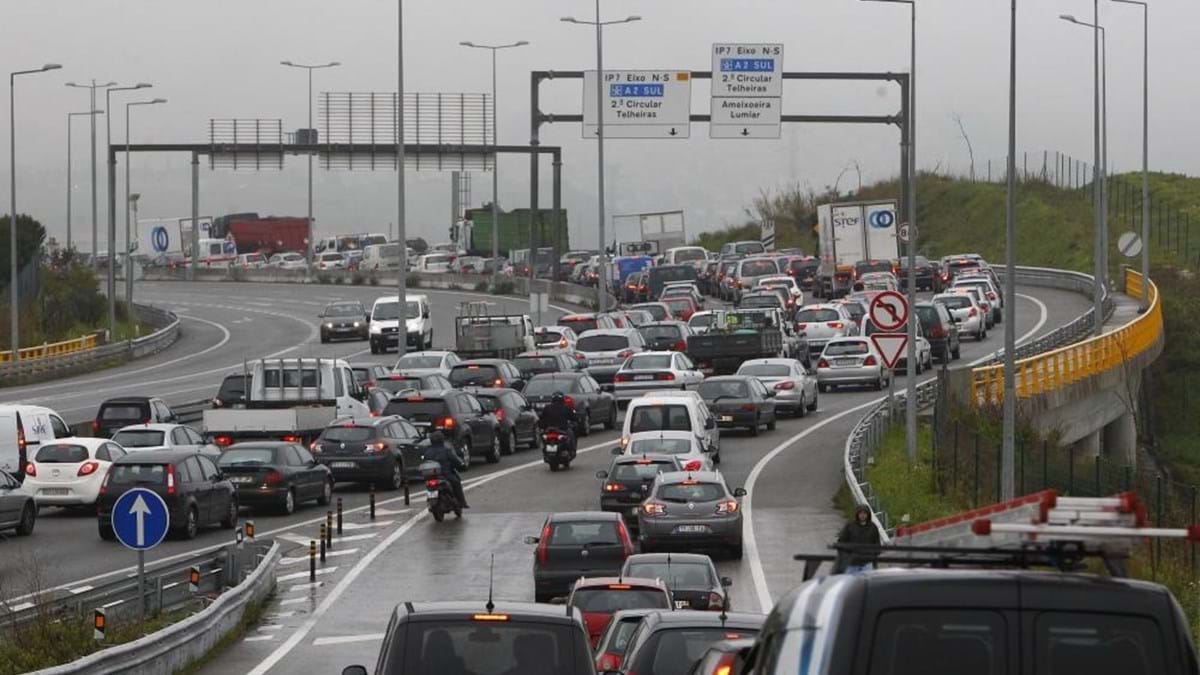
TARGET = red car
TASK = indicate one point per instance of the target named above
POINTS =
(610, 650)
(682, 308)
(598, 597)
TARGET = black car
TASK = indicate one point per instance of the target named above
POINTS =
(117, 413)
(592, 405)
(276, 475)
(940, 329)
(926, 276)
(455, 638)
(585, 322)
(458, 415)
(628, 481)
(377, 400)
(232, 391)
(499, 373)
(657, 310)
(191, 484)
(804, 271)
(383, 451)
(666, 335)
(577, 544)
(692, 578)
(17, 509)
(369, 374)
(345, 319)
(518, 423)
(739, 401)
(669, 642)
(395, 384)
(536, 363)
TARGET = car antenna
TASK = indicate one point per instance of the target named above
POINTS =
(669, 575)
(491, 573)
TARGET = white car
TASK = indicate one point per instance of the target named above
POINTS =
(384, 328)
(427, 363)
(967, 314)
(251, 261)
(673, 411)
(818, 324)
(654, 371)
(989, 290)
(330, 260)
(693, 456)
(851, 361)
(555, 337)
(69, 471)
(434, 263)
(794, 386)
(288, 261)
(924, 348)
(143, 437)
(976, 293)
(699, 322)
(788, 283)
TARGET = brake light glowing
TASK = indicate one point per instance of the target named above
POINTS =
(680, 346)
(500, 414)
(31, 469)
(563, 343)
(104, 483)
(87, 468)
(223, 441)
(620, 377)
(626, 540)
(273, 478)
(378, 446)
(619, 587)
(490, 617)
(836, 325)
(693, 465)
(553, 436)
(613, 487)
(727, 506)
(786, 384)
(431, 484)
(21, 438)
(654, 508)
(972, 312)
(95, 426)
(625, 354)
(543, 549)
(570, 402)
(869, 361)
(444, 423)
(822, 363)
(170, 480)
(291, 438)
(665, 376)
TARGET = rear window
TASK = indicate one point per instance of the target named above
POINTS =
(683, 493)
(489, 648)
(395, 384)
(547, 338)
(488, 403)
(348, 434)
(765, 370)
(805, 266)
(138, 474)
(975, 641)
(749, 247)
(640, 470)
(543, 386)
(422, 408)
(845, 348)
(675, 575)
(711, 389)
(875, 266)
(673, 651)
(660, 418)
(649, 362)
(60, 453)
(247, 456)
(139, 438)
(817, 315)
(762, 301)
(536, 364)
(125, 411)
(1076, 642)
(610, 600)
(419, 362)
(956, 302)
(690, 254)
(657, 311)
(928, 315)
(579, 533)
(578, 324)
(473, 375)
(758, 268)
(666, 446)
(602, 343)
(654, 332)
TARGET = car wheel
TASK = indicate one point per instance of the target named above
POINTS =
(494, 456)
(191, 524)
(510, 443)
(231, 517)
(823, 388)
(429, 341)
(106, 532)
(464, 451)
(326, 493)
(585, 424)
(772, 423)
(324, 338)
(553, 466)
(396, 480)
(802, 409)
(956, 353)
(735, 552)
(755, 429)
(812, 407)
(612, 419)
(438, 513)
(288, 506)
(28, 518)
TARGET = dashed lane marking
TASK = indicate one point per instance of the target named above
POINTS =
(347, 639)
(302, 575)
(328, 554)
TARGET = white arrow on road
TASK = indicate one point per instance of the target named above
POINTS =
(139, 510)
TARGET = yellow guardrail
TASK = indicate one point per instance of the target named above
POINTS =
(55, 349)
(1063, 367)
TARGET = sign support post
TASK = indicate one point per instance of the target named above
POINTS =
(142, 585)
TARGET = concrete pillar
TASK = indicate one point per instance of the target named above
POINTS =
(1120, 440)
(1088, 446)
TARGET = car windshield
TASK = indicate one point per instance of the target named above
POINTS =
(131, 411)
(139, 438)
(660, 418)
(544, 386)
(608, 600)
(711, 389)
(487, 647)
(955, 301)
(247, 456)
(662, 446)
(602, 343)
(649, 362)
(676, 575)
(765, 370)
(348, 434)
(62, 453)
(473, 375)
(138, 474)
(817, 315)
(536, 364)
(578, 324)
(758, 268)
(390, 311)
(673, 651)
(345, 310)
(419, 362)
(852, 348)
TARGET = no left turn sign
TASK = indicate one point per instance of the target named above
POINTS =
(889, 311)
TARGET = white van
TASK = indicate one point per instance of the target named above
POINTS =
(385, 321)
(214, 253)
(686, 255)
(23, 429)
(381, 257)
(673, 411)
(434, 263)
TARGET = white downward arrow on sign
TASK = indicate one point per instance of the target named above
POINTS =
(139, 511)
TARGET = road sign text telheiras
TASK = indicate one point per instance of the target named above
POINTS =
(747, 86)
(639, 103)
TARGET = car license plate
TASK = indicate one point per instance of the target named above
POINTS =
(845, 362)
(682, 604)
(56, 492)
(241, 479)
(692, 529)
(431, 494)
(643, 377)
(726, 418)
(342, 465)
(600, 362)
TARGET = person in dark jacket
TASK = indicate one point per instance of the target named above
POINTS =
(858, 532)
(558, 415)
(451, 463)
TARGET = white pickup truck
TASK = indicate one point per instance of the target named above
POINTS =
(290, 400)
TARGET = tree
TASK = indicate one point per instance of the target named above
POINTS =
(30, 237)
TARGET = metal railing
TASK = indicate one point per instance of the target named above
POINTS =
(1063, 367)
(52, 349)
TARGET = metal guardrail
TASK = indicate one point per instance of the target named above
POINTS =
(52, 349)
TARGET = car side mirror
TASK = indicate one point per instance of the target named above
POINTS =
(354, 670)
(425, 314)
(602, 474)
(616, 450)
(519, 385)
(770, 394)
(607, 388)
(740, 492)
(726, 582)
(710, 423)
(532, 541)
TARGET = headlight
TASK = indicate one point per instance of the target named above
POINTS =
(329, 325)
(375, 330)
(357, 324)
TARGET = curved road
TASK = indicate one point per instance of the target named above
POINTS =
(792, 474)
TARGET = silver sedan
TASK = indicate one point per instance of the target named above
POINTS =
(851, 361)
(794, 386)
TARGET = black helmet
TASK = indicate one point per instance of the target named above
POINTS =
(558, 397)
(436, 438)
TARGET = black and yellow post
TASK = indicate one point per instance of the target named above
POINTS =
(329, 530)
(312, 560)
(324, 534)
(372, 497)
(339, 516)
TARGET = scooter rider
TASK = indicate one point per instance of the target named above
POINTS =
(558, 415)
(451, 464)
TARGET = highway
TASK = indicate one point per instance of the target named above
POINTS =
(792, 475)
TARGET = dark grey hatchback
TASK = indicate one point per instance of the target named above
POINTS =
(739, 401)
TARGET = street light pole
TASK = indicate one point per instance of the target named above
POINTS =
(401, 225)
(495, 156)
(70, 185)
(14, 298)
(95, 217)
(112, 209)
(602, 287)
(1145, 148)
(308, 105)
(1008, 449)
(128, 204)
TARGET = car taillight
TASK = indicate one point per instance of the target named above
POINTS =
(937, 332)
(500, 414)
(620, 377)
(31, 469)
(625, 354)
(498, 383)
(291, 439)
(104, 483)
(562, 343)
(444, 423)
(869, 361)
(170, 480)
(570, 402)
(654, 508)
(378, 446)
(680, 346)
(665, 376)
(727, 506)
(836, 325)
(786, 384)
(693, 465)
(431, 484)
(315, 447)
(543, 549)
(991, 295)
(613, 487)
(273, 478)
(748, 407)
(21, 439)
(95, 426)
(553, 436)
(822, 363)
(716, 602)
(626, 540)
(223, 441)
(972, 312)
(87, 468)
(608, 663)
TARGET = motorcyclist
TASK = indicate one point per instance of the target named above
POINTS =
(451, 464)
(558, 415)
(860, 532)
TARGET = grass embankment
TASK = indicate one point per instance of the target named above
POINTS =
(48, 642)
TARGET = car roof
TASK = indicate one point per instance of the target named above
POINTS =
(85, 441)
(592, 582)
(661, 433)
(729, 378)
(667, 398)
(823, 305)
(670, 557)
(429, 352)
(623, 332)
(578, 316)
(643, 458)
(153, 426)
(491, 391)
(565, 374)
(361, 421)
(127, 399)
(481, 362)
(676, 477)
(156, 456)
(458, 609)
(665, 618)
(584, 516)
(770, 362)
(274, 445)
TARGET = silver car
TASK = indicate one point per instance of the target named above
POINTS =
(794, 386)
(819, 324)
(427, 363)
(655, 371)
(968, 315)
(852, 361)
(606, 350)
(749, 271)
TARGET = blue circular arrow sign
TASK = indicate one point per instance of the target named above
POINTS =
(140, 519)
(159, 239)
(882, 219)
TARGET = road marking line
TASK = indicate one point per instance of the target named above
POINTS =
(301, 575)
(363, 526)
(347, 639)
(388, 512)
(306, 587)
(294, 601)
(22, 607)
(80, 589)
(297, 539)
(270, 627)
(355, 537)
(280, 615)
(258, 638)
(328, 554)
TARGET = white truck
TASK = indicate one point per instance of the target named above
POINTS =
(851, 233)
(288, 400)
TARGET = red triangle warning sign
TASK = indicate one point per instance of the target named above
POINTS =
(890, 346)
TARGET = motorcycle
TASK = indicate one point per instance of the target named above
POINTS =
(439, 493)
(557, 449)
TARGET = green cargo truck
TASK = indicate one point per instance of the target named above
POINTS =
(514, 230)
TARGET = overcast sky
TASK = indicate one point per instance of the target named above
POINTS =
(220, 59)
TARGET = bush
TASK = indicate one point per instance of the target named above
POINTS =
(503, 288)
(358, 279)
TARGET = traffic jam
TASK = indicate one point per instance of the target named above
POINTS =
(705, 348)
